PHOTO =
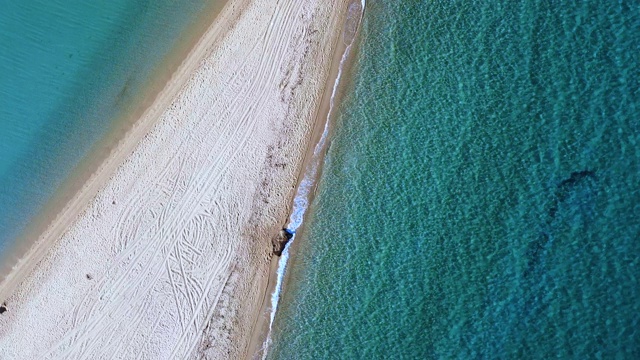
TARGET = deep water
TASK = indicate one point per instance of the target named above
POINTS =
(480, 197)
(67, 70)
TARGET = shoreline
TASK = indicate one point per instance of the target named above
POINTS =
(337, 81)
(84, 181)
(172, 256)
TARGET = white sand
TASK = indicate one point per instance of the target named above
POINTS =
(171, 259)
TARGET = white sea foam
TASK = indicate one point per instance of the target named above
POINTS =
(302, 198)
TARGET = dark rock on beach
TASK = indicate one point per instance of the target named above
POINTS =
(280, 240)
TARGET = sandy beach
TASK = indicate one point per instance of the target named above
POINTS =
(172, 258)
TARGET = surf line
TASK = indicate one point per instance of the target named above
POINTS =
(302, 198)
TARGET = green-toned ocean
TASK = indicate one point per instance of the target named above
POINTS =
(67, 70)
(480, 198)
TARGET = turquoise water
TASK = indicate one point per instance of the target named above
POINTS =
(480, 198)
(67, 68)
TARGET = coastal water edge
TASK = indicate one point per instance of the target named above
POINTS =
(75, 76)
(479, 195)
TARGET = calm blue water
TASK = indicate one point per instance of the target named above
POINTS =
(480, 198)
(67, 68)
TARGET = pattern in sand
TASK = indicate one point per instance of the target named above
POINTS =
(171, 258)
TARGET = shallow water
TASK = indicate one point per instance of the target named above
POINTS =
(480, 195)
(67, 70)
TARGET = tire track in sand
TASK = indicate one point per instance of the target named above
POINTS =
(165, 248)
